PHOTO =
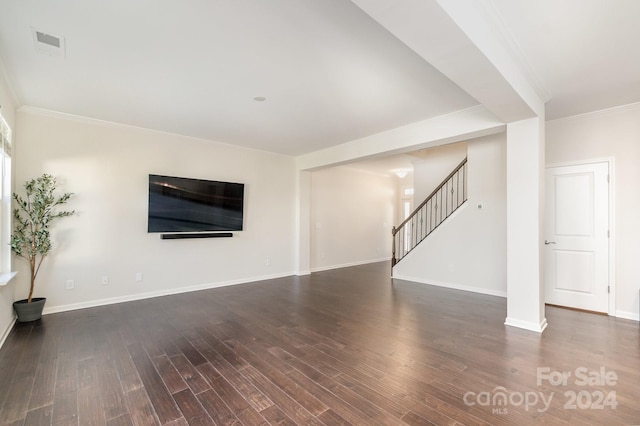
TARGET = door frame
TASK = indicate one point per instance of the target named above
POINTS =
(612, 234)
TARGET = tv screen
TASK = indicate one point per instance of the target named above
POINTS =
(178, 204)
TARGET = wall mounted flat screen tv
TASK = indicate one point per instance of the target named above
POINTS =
(178, 204)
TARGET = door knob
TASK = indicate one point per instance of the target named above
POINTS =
(549, 242)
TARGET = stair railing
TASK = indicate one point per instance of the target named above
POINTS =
(438, 206)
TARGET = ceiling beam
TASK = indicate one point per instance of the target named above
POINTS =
(458, 40)
(454, 127)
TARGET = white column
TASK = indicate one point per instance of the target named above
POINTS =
(525, 210)
(303, 223)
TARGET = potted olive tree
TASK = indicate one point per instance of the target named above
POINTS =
(31, 239)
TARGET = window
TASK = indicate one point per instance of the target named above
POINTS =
(407, 209)
(5, 195)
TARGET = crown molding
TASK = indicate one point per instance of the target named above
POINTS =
(596, 114)
(105, 123)
(509, 41)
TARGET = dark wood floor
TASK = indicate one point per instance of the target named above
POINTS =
(338, 347)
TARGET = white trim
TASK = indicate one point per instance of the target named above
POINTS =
(532, 326)
(597, 114)
(611, 310)
(628, 315)
(462, 287)
(6, 278)
(346, 265)
(580, 162)
(141, 296)
(6, 332)
(112, 124)
(612, 236)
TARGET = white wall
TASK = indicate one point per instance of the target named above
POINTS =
(7, 316)
(468, 251)
(450, 128)
(611, 133)
(107, 166)
(435, 165)
(352, 213)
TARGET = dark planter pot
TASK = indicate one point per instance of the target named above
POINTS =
(29, 311)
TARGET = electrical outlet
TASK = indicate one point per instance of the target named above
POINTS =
(105, 280)
(138, 277)
(70, 285)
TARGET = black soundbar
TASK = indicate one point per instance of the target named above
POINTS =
(196, 235)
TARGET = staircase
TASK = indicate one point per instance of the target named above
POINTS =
(435, 209)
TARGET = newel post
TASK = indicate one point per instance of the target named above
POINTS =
(393, 247)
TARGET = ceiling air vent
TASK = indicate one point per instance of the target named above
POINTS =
(48, 44)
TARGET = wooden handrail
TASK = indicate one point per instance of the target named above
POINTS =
(426, 200)
(429, 215)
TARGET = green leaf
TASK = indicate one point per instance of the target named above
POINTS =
(33, 216)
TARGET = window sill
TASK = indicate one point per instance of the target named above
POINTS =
(6, 277)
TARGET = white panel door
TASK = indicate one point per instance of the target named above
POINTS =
(576, 245)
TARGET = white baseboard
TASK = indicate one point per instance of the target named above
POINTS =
(628, 315)
(527, 325)
(149, 295)
(346, 265)
(6, 332)
(462, 287)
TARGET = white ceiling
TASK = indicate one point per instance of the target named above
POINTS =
(585, 53)
(329, 72)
